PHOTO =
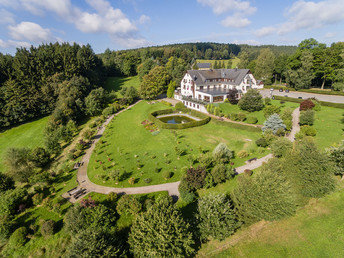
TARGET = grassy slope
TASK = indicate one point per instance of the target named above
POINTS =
(315, 231)
(228, 108)
(117, 83)
(27, 135)
(329, 127)
(126, 137)
(235, 61)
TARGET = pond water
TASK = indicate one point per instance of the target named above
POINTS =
(176, 119)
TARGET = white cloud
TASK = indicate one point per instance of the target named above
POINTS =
(30, 31)
(235, 21)
(144, 19)
(330, 35)
(224, 6)
(104, 18)
(238, 9)
(265, 31)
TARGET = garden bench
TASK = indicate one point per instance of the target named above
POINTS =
(250, 160)
(79, 193)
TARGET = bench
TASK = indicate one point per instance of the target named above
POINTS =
(250, 160)
(79, 193)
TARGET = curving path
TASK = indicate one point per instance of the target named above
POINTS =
(172, 188)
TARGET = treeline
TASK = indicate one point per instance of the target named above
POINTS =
(313, 64)
(29, 80)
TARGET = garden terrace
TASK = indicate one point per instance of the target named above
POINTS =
(133, 147)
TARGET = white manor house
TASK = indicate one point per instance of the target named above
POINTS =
(213, 85)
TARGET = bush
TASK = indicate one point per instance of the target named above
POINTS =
(307, 117)
(109, 111)
(267, 101)
(180, 106)
(273, 123)
(128, 204)
(37, 198)
(6, 182)
(167, 174)
(18, 238)
(241, 117)
(219, 173)
(194, 177)
(281, 146)
(261, 142)
(306, 105)
(47, 228)
(147, 180)
(266, 195)
(251, 101)
(186, 194)
(161, 232)
(251, 120)
(11, 200)
(308, 130)
(216, 216)
(248, 172)
(222, 154)
(270, 110)
(337, 157)
(242, 154)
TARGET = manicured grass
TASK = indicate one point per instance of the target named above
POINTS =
(26, 135)
(235, 61)
(228, 108)
(329, 127)
(315, 231)
(126, 137)
(117, 83)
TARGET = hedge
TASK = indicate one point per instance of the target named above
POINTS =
(152, 116)
(239, 126)
(323, 103)
(324, 92)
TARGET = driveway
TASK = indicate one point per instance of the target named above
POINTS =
(305, 95)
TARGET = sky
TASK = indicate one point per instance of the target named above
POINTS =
(125, 24)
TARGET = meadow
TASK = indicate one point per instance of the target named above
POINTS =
(234, 60)
(117, 83)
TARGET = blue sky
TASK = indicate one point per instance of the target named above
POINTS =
(123, 24)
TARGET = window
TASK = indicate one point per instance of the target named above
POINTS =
(201, 87)
(198, 106)
(193, 105)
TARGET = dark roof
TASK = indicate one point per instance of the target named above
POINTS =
(203, 65)
(235, 75)
(216, 92)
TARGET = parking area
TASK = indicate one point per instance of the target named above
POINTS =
(295, 94)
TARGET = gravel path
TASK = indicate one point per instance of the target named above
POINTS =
(172, 188)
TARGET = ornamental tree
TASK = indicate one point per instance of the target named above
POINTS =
(160, 232)
(251, 101)
(222, 154)
(273, 123)
(216, 216)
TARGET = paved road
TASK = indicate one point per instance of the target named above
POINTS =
(305, 95)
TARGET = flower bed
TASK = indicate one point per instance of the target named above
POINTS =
(151, 127)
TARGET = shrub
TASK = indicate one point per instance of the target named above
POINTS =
(234, 116)
(11, 200)
(222, 154)
(131, 180)
(251, 101)
(267, 101)
(337, 156)
(216, 216)
(6, 226)
(18, 238)
(251, 120)
(219, 173)
(194, 177)
(242, 154)
(147, 180)
(109, 111)
(167, 174)
(306, 105)
(248, 172)
(241, 117)
(273, 123)
(281, 146)
(180, 106)
(6, 182)
(307, 117)
(261, 142)
(270, 110)
(266, 195)
(37, 198)
(47, 228)
(161, 232)
(128, 204)
(112, 197)
(186, 193)
(280, 132)
(308, 130)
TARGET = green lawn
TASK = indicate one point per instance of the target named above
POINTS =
(127, 143)
(315, 231)
(329, 127)
(117, 83)
(228, 108)
(235, 61)
(26, 135)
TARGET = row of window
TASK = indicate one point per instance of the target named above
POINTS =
(186, 103)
